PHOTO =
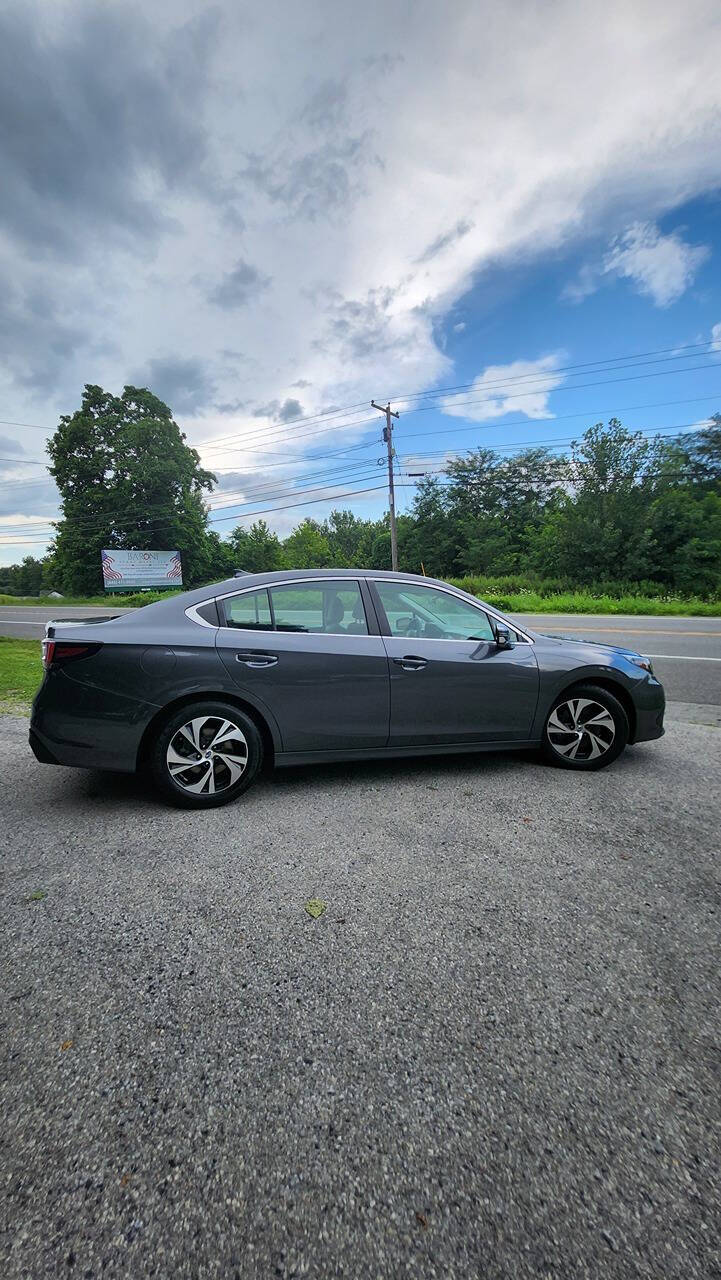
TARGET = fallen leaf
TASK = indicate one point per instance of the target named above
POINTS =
(422, 1219)
(37, 896)
(527, 819)
(315, 907)
(125, 1180)
(67, 1044)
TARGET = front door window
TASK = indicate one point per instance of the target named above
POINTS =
(424, 613)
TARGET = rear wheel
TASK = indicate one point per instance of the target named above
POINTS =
(205, 755)
(587, 728)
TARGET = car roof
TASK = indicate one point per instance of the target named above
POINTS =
(246, 580)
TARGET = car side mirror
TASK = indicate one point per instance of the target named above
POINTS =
(503, 637)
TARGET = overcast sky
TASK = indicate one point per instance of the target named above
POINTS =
(263, 212)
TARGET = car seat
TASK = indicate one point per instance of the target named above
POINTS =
(358, 626)
(335, 612)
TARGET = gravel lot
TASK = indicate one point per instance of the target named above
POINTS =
(497, 1054)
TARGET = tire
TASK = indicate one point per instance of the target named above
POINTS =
(222, 773)
(565, 742)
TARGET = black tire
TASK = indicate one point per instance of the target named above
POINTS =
(221, 774)
(590, 749)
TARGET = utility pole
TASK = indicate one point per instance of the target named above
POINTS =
(388, 437)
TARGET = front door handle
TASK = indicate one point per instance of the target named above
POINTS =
(411, 663)
(252, 659)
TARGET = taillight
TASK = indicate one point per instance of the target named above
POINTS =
(57, 651)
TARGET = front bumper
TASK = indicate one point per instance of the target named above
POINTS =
(650, 705)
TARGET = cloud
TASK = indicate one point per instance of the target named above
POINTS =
(524, 386)
(716, 338)
(660, 266)
(98, 123)
(239, 286)
(184, 384)
(10, 446)
(458, 328)
(146, 148)
(284, 412)
(445, 240)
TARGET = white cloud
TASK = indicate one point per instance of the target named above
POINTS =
(364, 192)
(716, 337)
(661, 267)
(523, 386)
(458, 328)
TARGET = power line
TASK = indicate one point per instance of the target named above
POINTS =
(18, 540)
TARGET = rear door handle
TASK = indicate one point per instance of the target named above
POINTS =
(252, 659)
(411, 663)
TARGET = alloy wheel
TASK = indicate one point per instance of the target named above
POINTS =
(207, 755)
(581, 729)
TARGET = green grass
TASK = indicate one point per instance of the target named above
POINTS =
(113, 600)
(21, 671)
(584, 602)
(509, 594)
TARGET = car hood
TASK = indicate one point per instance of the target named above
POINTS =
(594, 646)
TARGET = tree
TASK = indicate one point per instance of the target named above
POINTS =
(126, 479)
(430, 542)
(596, 525)
(22, 579)
(307, 548)
(346, 534)
(257, 549)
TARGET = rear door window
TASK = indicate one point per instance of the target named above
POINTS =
(330, 608)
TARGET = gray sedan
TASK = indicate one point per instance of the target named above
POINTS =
(339, 664)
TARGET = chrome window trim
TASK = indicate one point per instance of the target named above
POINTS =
(452, 591)
(286, 582)
(192, 614)
(267, 586)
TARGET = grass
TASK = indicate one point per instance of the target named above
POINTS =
(21, 672)
(511, 595)
(111, 601)
(530, 601)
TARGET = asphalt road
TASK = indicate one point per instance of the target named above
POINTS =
(686, 651)
(496, 1054)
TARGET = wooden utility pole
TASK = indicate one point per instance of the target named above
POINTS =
(388, 437)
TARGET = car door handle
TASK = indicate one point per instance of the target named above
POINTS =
(252, 659)
(411, 663)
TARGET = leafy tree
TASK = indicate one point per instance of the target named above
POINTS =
(22, 579)
(307, 548)
(596, 526)
(126, 479)
(256, 549)
(430, 540)
(346, 535)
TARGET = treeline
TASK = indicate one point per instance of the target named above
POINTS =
(619, 513)
(619, 510)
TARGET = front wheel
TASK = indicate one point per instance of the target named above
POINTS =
(587, 728)
(205, 755)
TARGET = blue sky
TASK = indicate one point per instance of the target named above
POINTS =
(300, 223)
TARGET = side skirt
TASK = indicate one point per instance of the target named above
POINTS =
(285, 759)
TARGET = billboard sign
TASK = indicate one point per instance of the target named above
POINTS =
(127, 570)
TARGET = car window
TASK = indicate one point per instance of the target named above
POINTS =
(333, 608)
(428, 614)
(250, 611)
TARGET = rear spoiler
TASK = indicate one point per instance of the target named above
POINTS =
(77, 622)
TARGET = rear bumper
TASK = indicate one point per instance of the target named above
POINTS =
(40, 749)
(86, 727)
